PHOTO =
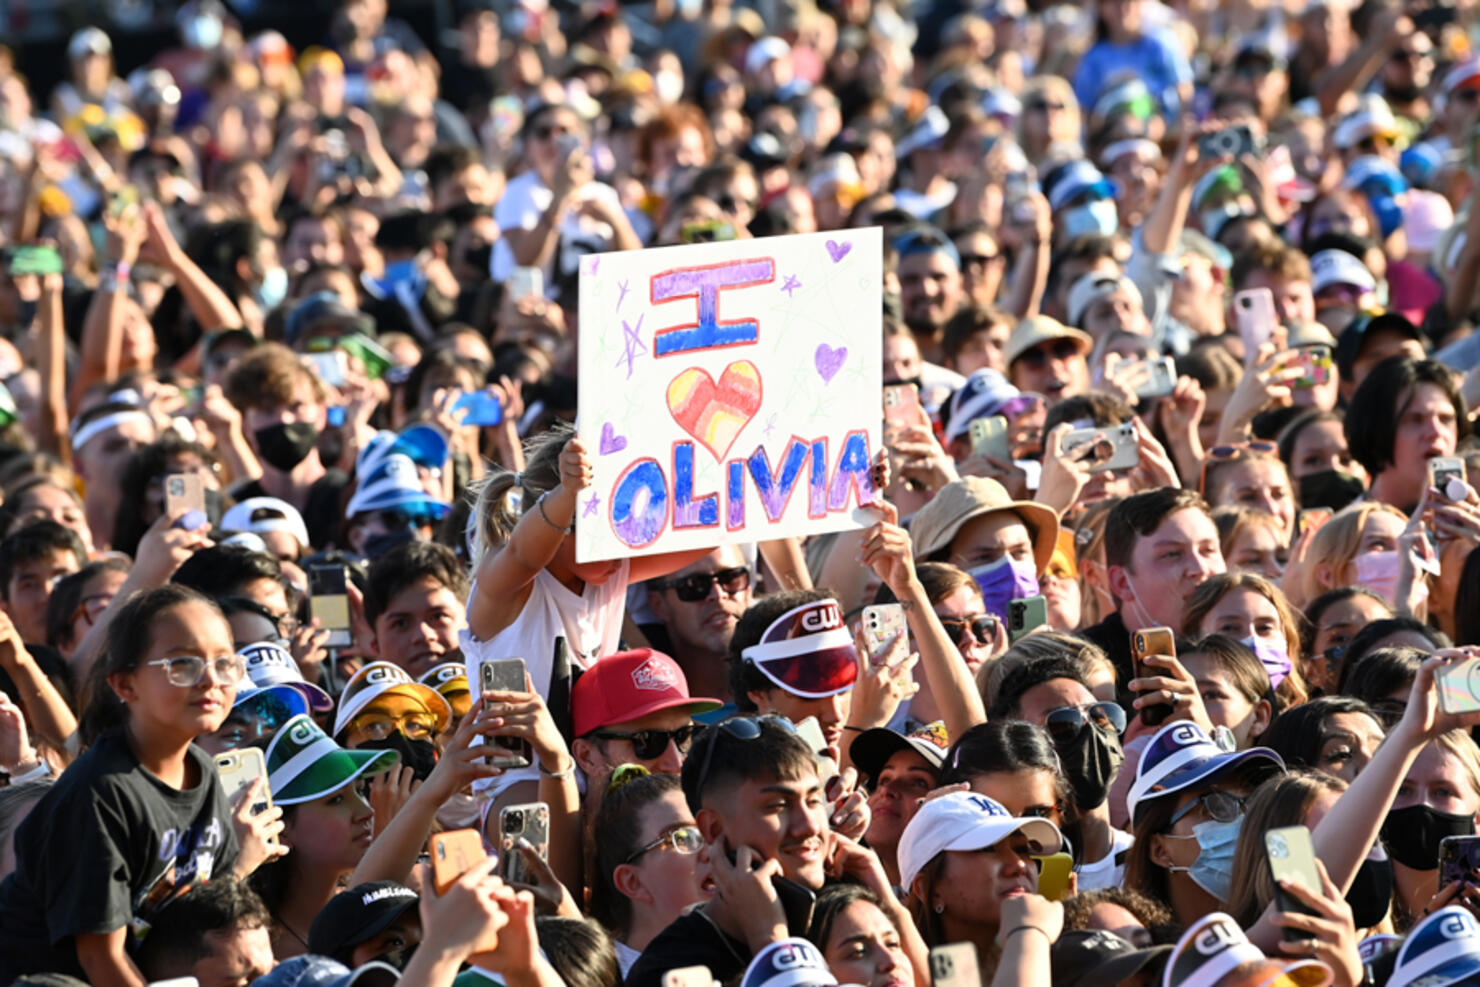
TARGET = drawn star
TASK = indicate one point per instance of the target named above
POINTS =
(632, 343)
(770, 425)
(790, 285)
(592, 506)
(595, 263)
(623, 296)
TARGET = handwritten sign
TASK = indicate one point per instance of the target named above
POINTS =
(729, 392)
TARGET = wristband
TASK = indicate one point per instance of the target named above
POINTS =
(560, 774)
(1026, 928)
(540, 504)
(122, 271)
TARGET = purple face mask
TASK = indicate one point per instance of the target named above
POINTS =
(1274, 656)
(1004, 580)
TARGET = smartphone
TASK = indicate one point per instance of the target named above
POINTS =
(530, 821)
(689, 976)
(1316, 366)
(331, 367)
(526, 282)
(1111, 448)
(810, 730)
(1459, 686)
(1292, 857)
(1254, 313)
(1053, 875)
(238, 769)
(797, 903)
(1444, 470)
(1232, 142)
(183, 492)
(955, 965)
(39, 261)
(1153, 641)
(329, 602)
(454, 853)
(901, 405)
(989, 438)
(881, 624)
(504, 675)
(1459, 858)
(708, 231)
(482, 407)
(1025, 616)
(1161, 379)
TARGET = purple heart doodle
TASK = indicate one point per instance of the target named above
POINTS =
(829, 361)
(837, 251)
(610, 441)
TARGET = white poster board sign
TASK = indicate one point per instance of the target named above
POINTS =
(729, 392)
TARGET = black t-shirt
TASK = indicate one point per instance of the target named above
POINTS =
(690, 940)
(1111, 635)
(106, 848)
(324, 513)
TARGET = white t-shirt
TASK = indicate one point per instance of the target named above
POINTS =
(590, 623)
(525, 200)
(1108, 872)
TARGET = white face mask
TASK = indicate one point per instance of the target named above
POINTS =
(669, 87)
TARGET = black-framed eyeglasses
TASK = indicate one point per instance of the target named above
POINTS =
(983, 629)
(1066, 724)
(185, 671)
(695, 586)
(1223, 807)
(649, 744)
(739, 728)
(685, 840)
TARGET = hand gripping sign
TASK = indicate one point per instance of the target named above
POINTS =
(729, 392)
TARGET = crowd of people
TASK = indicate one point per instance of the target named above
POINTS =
(1151, 666)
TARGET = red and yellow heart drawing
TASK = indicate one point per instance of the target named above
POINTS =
(715, 414)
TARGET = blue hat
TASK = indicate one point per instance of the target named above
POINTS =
(270, 668)
(982, 396)
(394, 484)
(1071, 181)
(322, 307)
(1183, 756)
(320, 971)
(1382, 182)
(1441, 950)
(424, 445)
(788, 963)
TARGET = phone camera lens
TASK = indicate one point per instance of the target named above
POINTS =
(513, 822)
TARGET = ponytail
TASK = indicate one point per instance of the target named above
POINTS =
(503, 496)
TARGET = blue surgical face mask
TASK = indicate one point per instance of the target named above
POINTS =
(273, 289)
(400, 270)
(1213, 869)
(1004, 580)
(1274, 656)
(1097, 218)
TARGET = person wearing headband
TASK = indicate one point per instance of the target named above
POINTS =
(104, 438)
(791, 655)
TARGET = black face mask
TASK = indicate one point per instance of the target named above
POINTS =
(1329, 488)
(418, 755)
(1371, 893)
(1412, 835)
(285, 446)
(1091, 765)
(213, 506)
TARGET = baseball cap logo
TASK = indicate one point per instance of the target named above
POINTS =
(1217, 937)
(385, 675)
(265, 654)
(795, 955)
(303, 732)
(1185, 735)
(824, 616)
(1458, 925)
(986, 805)
(655, 675)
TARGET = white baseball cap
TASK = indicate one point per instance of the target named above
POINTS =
(259, 515)
(966, 821)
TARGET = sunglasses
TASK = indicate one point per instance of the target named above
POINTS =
(1058, 349)
(378, 726)
(742, 728)
(685, 840)
(1067, 724)
(1233, 450)
(1221, 806)
(978, 260)
(1043, 106)
(187, 670)
(695, 587)
(983, 629)
(650, 744)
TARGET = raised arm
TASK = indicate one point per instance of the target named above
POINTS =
(209, 304)
(102, 329)
(51, 365)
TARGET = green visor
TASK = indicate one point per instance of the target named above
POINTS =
(303, 763)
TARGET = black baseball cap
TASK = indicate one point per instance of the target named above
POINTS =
(1360, 329)
(1092, 956)
(353, 916)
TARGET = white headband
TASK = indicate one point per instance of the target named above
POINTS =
(97, 426)
(808, 644)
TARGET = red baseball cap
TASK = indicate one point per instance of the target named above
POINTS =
(628, 686)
